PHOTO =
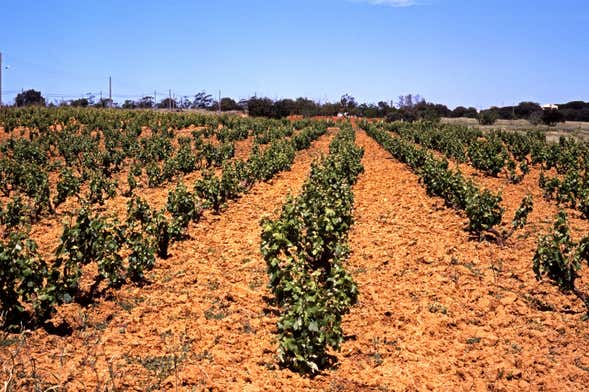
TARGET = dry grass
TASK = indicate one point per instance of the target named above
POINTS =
(577, 129)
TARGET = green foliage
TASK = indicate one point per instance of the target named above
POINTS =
(483, 211)
(488, 156)
(168, 170)
(521, 214)
(488, 117)
(154, 175)
(216, 155)
(155, 148)
(22, 279)
(210, 190)
(552, 117)
(68, 185)
(90, 239)
(138, 211)
(185, 159)
(29, 98)
(559, 258)
(131, 183)
(584, 204)
(304, 251)
(14, 214)
(161, 229)
(153, 223)
(183, 207)
(513, 176)
(99, 187)
(142, 256)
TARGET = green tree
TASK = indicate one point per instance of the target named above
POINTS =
(488, 117)
(30, 98)
(129, 104)
(145, 103)
(552, 116)
(168, 103)
(228, 104)
(80, 102)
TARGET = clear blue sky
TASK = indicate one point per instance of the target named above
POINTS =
(457, 52)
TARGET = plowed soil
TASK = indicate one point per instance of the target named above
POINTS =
(437, 310)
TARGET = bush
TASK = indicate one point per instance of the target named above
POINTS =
(536, 117)
(552, 117)
(560, 259)
(488, 117)
(22, 275)
(29, 98)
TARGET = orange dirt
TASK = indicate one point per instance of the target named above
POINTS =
(436, 309)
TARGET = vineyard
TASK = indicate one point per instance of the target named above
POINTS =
(145, 250)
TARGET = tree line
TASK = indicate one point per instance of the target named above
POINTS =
(407, 108)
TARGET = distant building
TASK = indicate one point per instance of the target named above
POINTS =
(550, 106)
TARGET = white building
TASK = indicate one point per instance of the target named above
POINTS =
(549, 106)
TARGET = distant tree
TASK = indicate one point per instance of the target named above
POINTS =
(409, 101)
(329, 109)
(228, 104)
(80, 102)
(243, 104)
(552, 117)
(185, 103)
(471, 112)
(305, 107)
(145, 103)
(260, 107)
(383, 108)
(574, 105)
(488, 117)
(525, 109)
(367, 110)
(575, 111)
(29, 98)
(422, 110)
(91, 99)
(103, 103)
(283, 108)
(583, 115)
(505, 112)
(348, 104)
(129, 104)
(408, 114)
(168, 103)
(393, 116)
(430, 111)
(535, 118)
(202, 100)
(461, 111)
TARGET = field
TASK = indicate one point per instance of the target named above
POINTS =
(401, 234)
(577, 129)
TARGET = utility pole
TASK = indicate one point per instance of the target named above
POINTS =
(0, 79)
(170, 99)
(219, 108)
(155, 98)
(109, 92)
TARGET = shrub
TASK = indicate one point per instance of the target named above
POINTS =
(559, 258)
(488, 117)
